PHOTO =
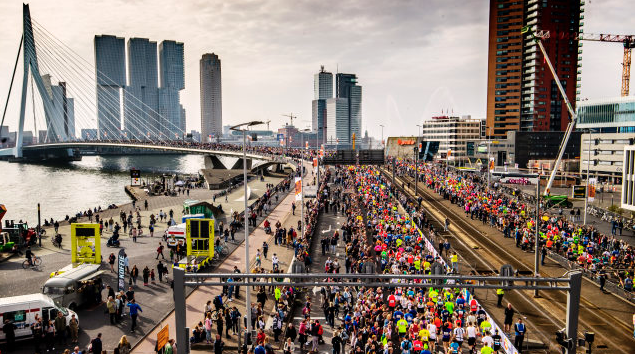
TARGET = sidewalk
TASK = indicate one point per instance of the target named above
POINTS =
(197, 299)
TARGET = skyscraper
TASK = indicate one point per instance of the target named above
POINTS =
(521, 92)
(171, 56)
(211, 97)
(322, 90)
(110, 67)
(141, 98)
(344, 112)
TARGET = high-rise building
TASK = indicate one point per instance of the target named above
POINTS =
(344, 112)
(211, 97)
(61, 117)
(322, 90)
(141, 98)
(323, 85)
(171, 57)
(521, 92)
(110, 71)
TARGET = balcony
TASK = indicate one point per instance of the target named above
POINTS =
(532, 50)
(532, 22)
(531, 2)
(578, 85)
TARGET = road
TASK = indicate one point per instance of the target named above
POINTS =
(485, 250)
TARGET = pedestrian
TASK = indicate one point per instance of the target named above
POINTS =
(123, 346)
(500, 293)
(520, 331)
(9, 333)
(145, 204)
(146, 275)
(112, 309)
(130, 294)
(96, 344)
(265, 249)
(134, 274)
(111, 261)
(509, 318)
(152, 276)
(160, 251)
(60, 328)
(134, 313)
(219, 345)
(49, 330)
(160, 271)
(73, 326)
(134, 234)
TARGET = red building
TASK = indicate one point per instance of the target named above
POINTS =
(521, 92)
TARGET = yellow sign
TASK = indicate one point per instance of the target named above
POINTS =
(199, 235)
(85, 243)
(163, 336)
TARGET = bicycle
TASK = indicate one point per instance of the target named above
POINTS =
(37, 262)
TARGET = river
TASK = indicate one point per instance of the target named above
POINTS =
(68, 188)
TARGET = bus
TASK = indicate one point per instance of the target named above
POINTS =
(515, 177)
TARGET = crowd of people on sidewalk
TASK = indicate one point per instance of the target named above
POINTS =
(585, 246)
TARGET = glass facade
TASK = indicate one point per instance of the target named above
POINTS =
(110, 72)
(616, 113)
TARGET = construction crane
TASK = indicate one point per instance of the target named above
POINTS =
(538, 36)
(628, 41)
(269, 121)
(291, 117)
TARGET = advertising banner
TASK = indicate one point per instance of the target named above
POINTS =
(298, 188)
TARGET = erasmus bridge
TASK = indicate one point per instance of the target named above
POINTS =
(61, 110)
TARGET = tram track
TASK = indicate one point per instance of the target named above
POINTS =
(475, 247)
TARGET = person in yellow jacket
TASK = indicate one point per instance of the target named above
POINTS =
(500, 293)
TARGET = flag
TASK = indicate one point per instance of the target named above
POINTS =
(306, 144)
(298, 188)
(315, 162)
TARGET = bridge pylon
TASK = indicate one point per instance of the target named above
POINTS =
(55, 128)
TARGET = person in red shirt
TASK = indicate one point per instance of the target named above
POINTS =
(392, 301)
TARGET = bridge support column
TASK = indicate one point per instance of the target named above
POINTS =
(239, 164)
(213, 162)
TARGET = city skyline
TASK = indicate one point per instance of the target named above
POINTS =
(410, 71)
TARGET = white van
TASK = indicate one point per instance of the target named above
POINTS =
(21, 310)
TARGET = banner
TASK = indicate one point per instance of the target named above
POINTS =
(121, 270)
(592, 184)
(298, 188)
(315, 162)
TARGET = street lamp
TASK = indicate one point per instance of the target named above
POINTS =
(382, 135)
(302, 148)
(247, 270)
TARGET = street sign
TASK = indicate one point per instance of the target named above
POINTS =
(579, 192)
(163, 336)
(350, 157)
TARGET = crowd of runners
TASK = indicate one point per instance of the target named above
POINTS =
(606, 256)
(383, 236)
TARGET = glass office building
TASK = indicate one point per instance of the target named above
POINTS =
(614, 115)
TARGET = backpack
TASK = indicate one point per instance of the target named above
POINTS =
(320, 330)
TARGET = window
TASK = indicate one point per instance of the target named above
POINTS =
(15, 316)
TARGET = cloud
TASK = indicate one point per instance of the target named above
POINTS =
(413, 58)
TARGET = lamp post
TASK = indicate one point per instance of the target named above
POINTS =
(382, 135)
(302, 148)
(588, 168)
(247, 270)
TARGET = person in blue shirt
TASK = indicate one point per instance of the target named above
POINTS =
(134, 313)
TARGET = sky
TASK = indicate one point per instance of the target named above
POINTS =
(412, 58)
